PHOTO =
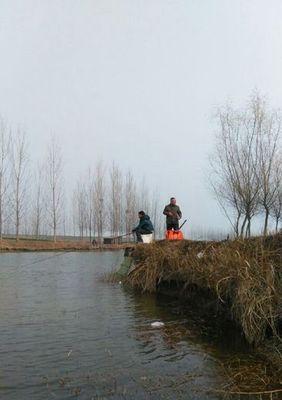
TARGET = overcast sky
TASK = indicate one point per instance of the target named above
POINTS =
(137, 81)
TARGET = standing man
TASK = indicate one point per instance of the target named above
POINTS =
(173, 215)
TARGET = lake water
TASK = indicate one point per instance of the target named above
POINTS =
(67, 334)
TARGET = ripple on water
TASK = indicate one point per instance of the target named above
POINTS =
(65, 333)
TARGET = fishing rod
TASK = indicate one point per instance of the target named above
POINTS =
(184, 222)
(119, 236)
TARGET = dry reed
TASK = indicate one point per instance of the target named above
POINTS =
(245, 275)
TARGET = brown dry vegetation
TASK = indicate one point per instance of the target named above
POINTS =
(244, 275)
(7, 245)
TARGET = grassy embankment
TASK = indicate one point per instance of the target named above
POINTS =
(242, 276)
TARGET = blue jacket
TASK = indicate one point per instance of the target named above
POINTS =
(145, 224)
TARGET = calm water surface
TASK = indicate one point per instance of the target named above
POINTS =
(66, 334)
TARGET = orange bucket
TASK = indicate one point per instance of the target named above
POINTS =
(174, 235)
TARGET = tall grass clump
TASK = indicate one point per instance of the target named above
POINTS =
(243, 275)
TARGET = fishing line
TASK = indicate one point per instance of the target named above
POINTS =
(45, 259)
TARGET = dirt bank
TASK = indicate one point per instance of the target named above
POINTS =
(11, 245)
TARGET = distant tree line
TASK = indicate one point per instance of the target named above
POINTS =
(247, 165)
(107, 201)
(33, 201)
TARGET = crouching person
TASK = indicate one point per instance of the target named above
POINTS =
(145, 228)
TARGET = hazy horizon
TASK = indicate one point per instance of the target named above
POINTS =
(137, 83)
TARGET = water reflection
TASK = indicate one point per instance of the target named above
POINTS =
(65, 334)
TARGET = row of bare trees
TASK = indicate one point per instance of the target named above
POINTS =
(247, 165)
(13, 177)
(30, 202)
(105, 201)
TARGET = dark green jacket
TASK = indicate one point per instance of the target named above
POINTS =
(177, 214)
(145, 224)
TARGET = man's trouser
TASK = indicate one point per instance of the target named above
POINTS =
(172, 225)
(140, 232)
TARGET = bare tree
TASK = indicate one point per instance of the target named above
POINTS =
(19, 178)
(230, 182)
(130, 194)
(100, 199)
(37, 206)
(80, 208)
(268, 134)
(74, 214)
(54, 187)
(243, 162)
(115, 201)
(276, 206)
(84, 204)
(5, 141)
(90, 190)
(143, 196)
(247, 156)
(155, 212)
